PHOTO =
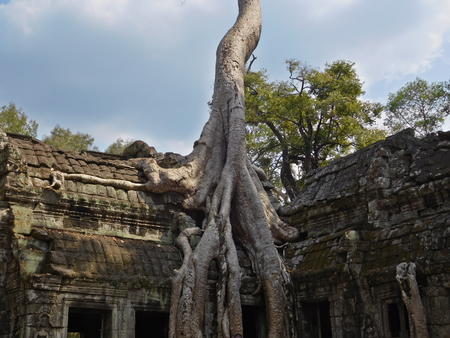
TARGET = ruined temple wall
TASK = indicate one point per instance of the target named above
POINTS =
(44, 306)
(98, 247)
(85, 246)
(4, 255)
(362, 216)
(5, 245)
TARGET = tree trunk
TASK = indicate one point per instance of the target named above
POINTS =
(218, 179)
(307, 163)
(406, 277)
(287, 179)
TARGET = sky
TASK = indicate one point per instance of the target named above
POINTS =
(144, 69)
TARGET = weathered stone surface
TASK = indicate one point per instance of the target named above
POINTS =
(139, 149)
(96, 246)
(83, 243)
(363, 215)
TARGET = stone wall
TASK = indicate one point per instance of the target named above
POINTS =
(4, 256)
(95, 249)
(363, 215)
(80, 246)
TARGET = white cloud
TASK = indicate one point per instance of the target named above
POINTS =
(320, 9)
(408, 51)
(145, 67)
(157, 18)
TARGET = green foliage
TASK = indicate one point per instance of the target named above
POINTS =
(306, 121)
(14, 120)
(264, 149)
(64, 139)
(118, 146)
(366, 137)
(419, 105)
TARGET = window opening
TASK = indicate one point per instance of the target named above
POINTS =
(156, 323)
(317, 320)
(89, 323)
(253, 320)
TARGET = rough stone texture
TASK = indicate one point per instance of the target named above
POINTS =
(96, 246)
(139, 149)
(84, 245)
(360, 217)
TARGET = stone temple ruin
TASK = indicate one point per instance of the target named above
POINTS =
(85, 260)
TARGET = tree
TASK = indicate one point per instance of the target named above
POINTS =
(64, 139)
(118, 146)
(308, 120)
(217, 179)
(14, 120)
(419, 105)
(264, 151)
(406, 278)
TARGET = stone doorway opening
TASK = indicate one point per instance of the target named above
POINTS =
(89, 323)
(151, 322)
(397, 320)
(316, 319)
(253, 320)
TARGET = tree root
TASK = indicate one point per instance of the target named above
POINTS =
(406, 277)
(218, 179)
(159, 180)
(182, 243)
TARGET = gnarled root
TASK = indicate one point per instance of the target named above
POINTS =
(218, 179)
(406, 277)
(178, 279)
(236, 206)
(182, 180)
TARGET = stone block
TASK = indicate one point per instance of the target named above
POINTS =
(23, 218)
(133, 197)
(122, 195)
(90, 189)
(78, 169)
(101, 190)
(73, 162)
(111, 192)
(109, 253)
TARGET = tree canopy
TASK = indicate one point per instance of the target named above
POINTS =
(314, 116)
(419, 105)
(118, 146)
(65, 139)
(14, 120)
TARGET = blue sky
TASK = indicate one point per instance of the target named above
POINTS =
(144, 69)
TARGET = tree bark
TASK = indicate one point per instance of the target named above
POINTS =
(287, 179)
(218, 179)
(406, 277)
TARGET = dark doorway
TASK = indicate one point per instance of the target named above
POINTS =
(89, 323)
(154, 323)
(316, 320)
(398, 322)
(254, 321)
